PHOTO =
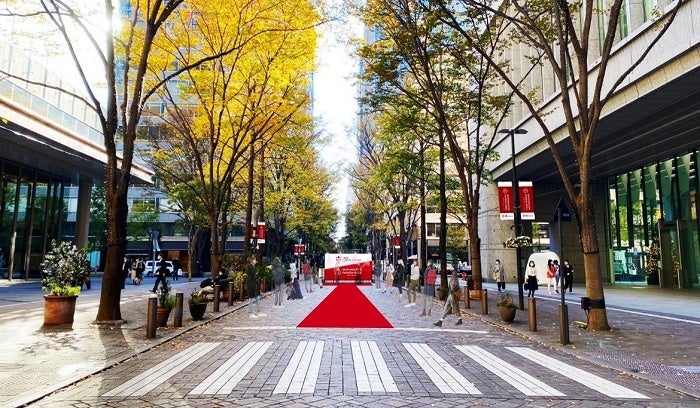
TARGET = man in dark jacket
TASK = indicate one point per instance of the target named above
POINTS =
(176, 268)
(161, 273)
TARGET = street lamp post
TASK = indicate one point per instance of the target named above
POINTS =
(516, 213)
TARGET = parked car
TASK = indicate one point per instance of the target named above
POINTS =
(149, 267)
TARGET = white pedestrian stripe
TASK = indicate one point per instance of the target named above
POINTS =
(226, 377)
(371, 372)
(514, 376)
(150, 379)
(301, 373)
(592, 381)
(444, 376)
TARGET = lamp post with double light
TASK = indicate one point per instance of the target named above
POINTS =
(516, 213)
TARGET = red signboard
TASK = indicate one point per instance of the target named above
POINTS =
(261, 232)
(299, 249)
(526, 195)
(505, 200)
(348, 268)
(526, 199)
(396, 242)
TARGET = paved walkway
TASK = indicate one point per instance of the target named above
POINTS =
(655, 336)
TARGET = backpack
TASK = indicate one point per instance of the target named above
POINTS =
(431, 276)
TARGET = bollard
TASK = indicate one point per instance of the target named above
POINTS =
(177, 319)
(564, 324)
(484, 302)
(151, 317)
(532, 314)
(230, 293)
(217, 290)
(467, 302)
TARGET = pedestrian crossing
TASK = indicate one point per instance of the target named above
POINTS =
(371, 373)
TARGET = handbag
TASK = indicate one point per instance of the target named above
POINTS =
(457, 294)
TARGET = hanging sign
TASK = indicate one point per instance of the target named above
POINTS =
(506, 205)
(261, 232)
(526, 195)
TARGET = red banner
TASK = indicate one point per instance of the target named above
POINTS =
(261, 232)
(299, 249)
(396, 242)
(505, 200)
(527, 200)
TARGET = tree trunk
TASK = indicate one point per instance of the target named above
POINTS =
(216, 253)
(117, 209)
(597, 316)
(475, 253)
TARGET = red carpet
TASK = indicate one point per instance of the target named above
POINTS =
(346, 307)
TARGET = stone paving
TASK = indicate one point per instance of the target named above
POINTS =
(641, 346)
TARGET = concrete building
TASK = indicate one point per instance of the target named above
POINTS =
(645, 158)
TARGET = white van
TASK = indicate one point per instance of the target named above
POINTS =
(540, 259)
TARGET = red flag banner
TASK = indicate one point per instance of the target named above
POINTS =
(261, 232)
(505, 200)
(527, 200)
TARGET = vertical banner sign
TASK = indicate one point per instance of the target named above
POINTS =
(526, 194)
(505, 200)
(261, 232)
(396, 243)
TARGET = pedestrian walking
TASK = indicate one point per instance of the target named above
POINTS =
(177, 266)
(314, 274)
(499, 275)
(278, 281)
(567, 272)
(377, 272)
(161, 273)
(430, 277)
(389, 278)
(531, 283)
(397, 279)
(140, 268)
(126, 271)
(414, 277)
(253, 284)
(551, 274)
(452, 303)
(306, 273)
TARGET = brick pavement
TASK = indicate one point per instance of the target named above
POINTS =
(638, 346)
(655, 333)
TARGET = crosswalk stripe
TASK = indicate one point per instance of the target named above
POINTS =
(300, 375)
(445, 377)
(226, 377)
(592, 381)
(514, 376)
(371, 371)
(150, 379)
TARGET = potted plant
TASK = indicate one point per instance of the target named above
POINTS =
(197, 304)
(64, 270)
(166, 302)
(506, 307)
(652, 266)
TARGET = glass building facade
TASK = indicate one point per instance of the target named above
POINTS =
(653, 224)
(33, 211)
